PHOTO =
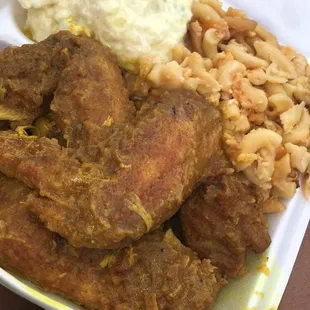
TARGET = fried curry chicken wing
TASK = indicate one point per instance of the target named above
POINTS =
(148, 168)
(81, 75)
(157, 272)
(222, 219)
(29, 75)
(90, 96)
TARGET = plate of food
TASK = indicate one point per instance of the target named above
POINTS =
(154, 154)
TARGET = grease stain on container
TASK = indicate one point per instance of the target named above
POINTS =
(248, 292)
(260, 294)
(263, 268)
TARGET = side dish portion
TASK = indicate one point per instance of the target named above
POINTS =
(134, 30)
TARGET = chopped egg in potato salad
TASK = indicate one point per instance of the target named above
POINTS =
(132, 29)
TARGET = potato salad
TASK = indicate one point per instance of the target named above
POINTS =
(132, 29)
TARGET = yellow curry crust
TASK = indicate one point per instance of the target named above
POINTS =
(157, 159)
(157, 270)
(222, 219)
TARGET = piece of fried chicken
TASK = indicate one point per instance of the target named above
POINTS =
(222, 219)
(78, 74)
(90, 97)
(147, 169)
(157, 272)
(29, 76)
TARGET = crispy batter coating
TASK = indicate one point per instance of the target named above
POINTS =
(81, 75)
(29, 75)
(148, 168)
(222, 219)
(91, 95)
(157, 272)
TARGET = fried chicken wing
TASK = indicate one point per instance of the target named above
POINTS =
(29, 74)
(148, 168)
(157, 272)
(222, 219)
(81, 75)
(90, 96)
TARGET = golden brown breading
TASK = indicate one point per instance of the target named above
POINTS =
(148, 168)
(91, 95)
(88, 84)
(29, 75)
(157, 272)
(222, 219)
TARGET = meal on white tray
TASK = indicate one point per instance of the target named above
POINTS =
(142, 144)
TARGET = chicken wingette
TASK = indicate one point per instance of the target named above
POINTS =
(224, 218)
(147, 169)
(76, 77)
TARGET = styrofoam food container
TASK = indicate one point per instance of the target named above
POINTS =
(263, 286)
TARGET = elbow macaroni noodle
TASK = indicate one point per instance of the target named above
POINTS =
(261, 88)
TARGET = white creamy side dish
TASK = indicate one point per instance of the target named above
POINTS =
(27, 4)
(132, 29)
